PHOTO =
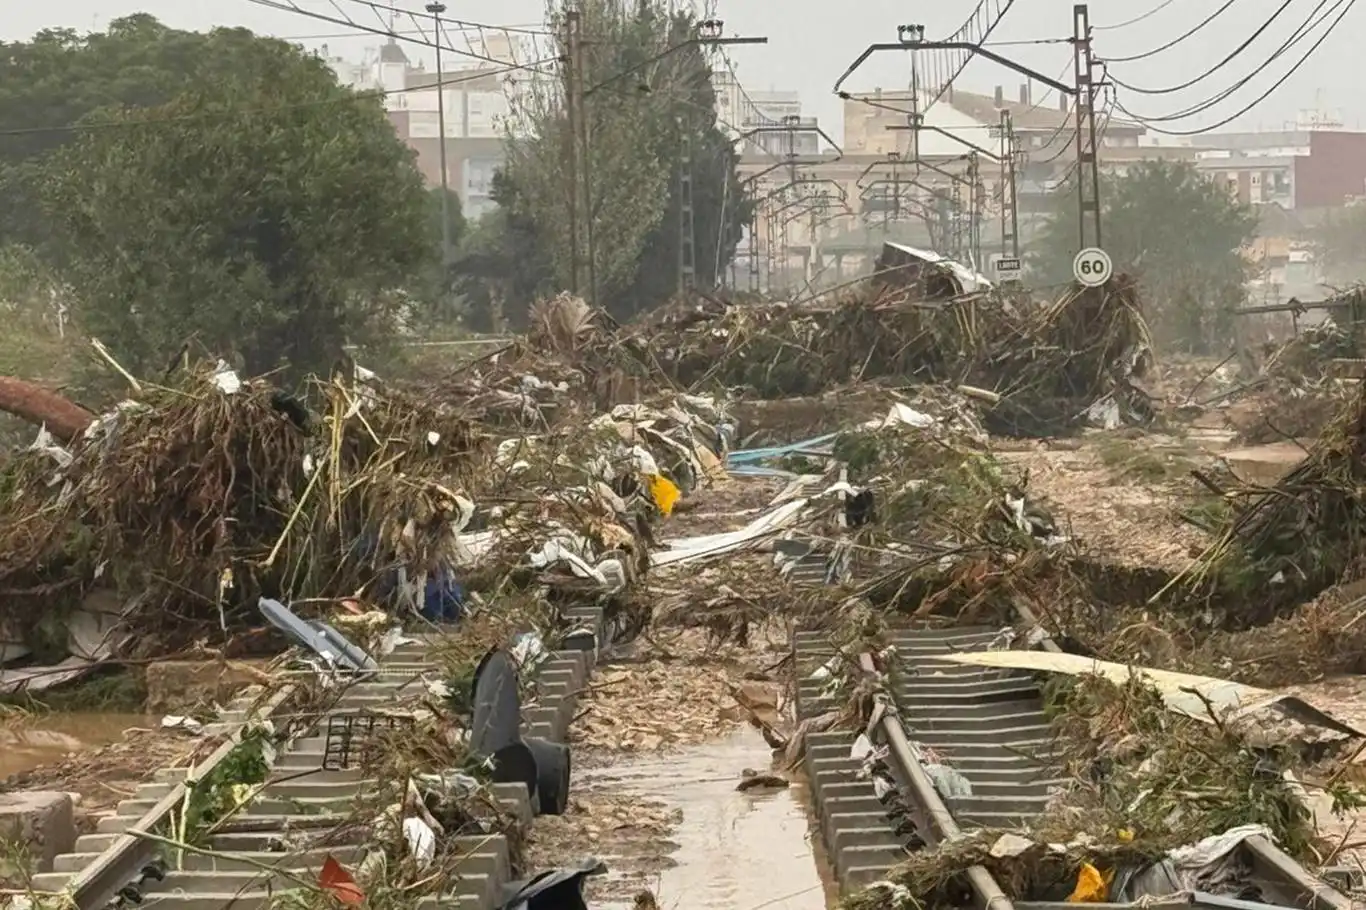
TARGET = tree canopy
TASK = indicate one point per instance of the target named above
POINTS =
(650, 112)
(1178, 232)
(264, 210)
(1341, 245)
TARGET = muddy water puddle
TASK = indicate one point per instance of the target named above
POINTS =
(29, 742)
(729, 850)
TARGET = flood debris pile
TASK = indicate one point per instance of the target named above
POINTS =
(198, 498)
(1043, 369)
(1299, 387)
(572, 362)
(933, 524)
(191, 501)
(1158, 802)
(1292, 542)
(1137, 765)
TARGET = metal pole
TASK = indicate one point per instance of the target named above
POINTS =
(1010, 212)
(1088, 168)
(436, 9)
(585, 158)
(571, 28)
(687, 249)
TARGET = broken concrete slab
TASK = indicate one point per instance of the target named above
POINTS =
(41, 823)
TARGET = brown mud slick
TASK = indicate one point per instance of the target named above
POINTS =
(727, 849)
(30, 742)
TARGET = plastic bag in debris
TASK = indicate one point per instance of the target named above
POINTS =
(48, 446)
(609, 573)
(1104, 414)
(225, 378)
(948, 781)
(528, 650)
(421, 841)
(1092, 885)
(1202, 866)
(664, 493)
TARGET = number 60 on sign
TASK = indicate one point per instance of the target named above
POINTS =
(1092, 267)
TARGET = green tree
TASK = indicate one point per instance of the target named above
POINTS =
(1179, 233)
(648, 104)
(60, 76)
(265, 210)
(1341, 245)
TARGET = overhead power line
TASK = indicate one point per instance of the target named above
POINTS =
(1134, 21)
(1221, 64)
(388, 31)
(1148, 122)
(1301, 32)
(1177, 40)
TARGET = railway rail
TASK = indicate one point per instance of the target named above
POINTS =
(114, 866)
(992, 726)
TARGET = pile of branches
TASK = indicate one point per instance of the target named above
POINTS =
(1140, 766)
(1045, 366)
(197, 499)
(957, 529)
(1285, 545)
(570, 362)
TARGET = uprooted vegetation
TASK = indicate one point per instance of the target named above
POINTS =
(1044, 367)
(1140, 782)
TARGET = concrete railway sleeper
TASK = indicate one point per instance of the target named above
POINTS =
(992, 727)
(300, 802)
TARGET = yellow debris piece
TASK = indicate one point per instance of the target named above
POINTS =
(1092, 887)
(664, 493)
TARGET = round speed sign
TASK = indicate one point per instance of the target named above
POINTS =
(1092, 267)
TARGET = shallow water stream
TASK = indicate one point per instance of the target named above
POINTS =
(735, 851)
(28, 742)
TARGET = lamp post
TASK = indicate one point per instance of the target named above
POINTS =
(436, 9)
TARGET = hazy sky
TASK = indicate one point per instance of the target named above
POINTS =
(812, 41)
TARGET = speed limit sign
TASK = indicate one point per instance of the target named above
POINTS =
(1092, 267)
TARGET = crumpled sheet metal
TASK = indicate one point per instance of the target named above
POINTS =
(1251, 708)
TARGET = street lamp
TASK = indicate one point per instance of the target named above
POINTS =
(436, 9)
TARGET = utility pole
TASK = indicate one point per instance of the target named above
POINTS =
(436, 9)
(1088, 164)
(571, 99)
(975, 193)
(585, 159)
(687, 242)
(754, 249)
(1010, 210)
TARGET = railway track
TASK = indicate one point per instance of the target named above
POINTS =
(301, 802)
(991, 726)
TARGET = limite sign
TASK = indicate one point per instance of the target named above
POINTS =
(1007, 268)
(1092, 267)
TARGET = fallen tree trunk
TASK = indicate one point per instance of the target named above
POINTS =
(64, 419)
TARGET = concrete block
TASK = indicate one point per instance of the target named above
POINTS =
(41, 822)
(175, 685)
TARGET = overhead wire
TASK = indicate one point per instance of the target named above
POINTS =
(1149, 122)
(1300, 32)
(1178, 39)
(288, 6)
(1232, 55)
(1137, 19)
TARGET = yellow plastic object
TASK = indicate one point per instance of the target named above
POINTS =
(664, 493)
(1092, 887)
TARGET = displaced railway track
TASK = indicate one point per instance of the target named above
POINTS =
(991, 728)
(303, 813)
